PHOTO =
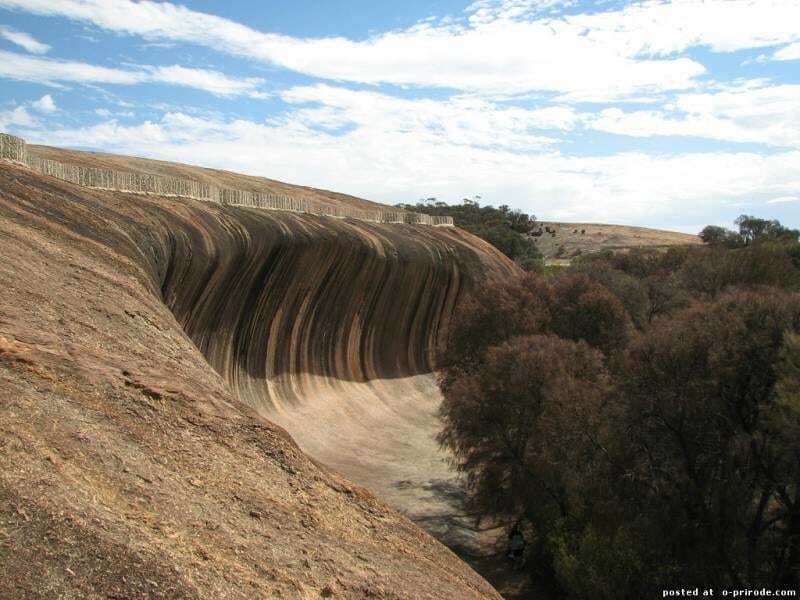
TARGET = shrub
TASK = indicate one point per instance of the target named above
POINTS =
(582, 309)
(630, 290)
(673, 454)
(490, 316)
(517, 426)
(710, 271)
(716, 477)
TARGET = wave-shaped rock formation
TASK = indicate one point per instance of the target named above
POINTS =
(148, 346)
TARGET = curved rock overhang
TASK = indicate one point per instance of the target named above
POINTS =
(325, 326)
(329, 329)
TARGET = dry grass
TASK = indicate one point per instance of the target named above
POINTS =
(572, 239)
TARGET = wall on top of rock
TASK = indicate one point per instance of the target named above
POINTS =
(14, 149)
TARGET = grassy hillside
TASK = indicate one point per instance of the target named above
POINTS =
(568, 240)
(526, 241)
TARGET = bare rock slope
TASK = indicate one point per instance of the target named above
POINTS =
(149, 345)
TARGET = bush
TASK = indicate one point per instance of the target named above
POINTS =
(640, 458)
(630, 290)
(490, 316)
(517, 425)
(601, 565)
(710, 271)
(713, 473)
(506, 229)
(642, 262)
(582, 309)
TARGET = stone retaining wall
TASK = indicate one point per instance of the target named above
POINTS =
(14, 149)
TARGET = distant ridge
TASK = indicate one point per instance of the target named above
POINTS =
(565, 241)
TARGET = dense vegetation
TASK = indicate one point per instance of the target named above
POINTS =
(502, 227)
(639, 415)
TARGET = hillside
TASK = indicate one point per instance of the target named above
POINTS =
(152, 351)
(567, 240)
(525, 240)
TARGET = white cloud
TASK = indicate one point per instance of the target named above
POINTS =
(209, 81)
(504, 47)
(43, 70)
(23, 40)
(401, 148)
(457, 121)
(51, 71)
(784, 199)
(767, 114)
(108, 114)
(404, 161)
(485, 11)
(18, 116)
(661, 28)
(45, 104)
(790, 52)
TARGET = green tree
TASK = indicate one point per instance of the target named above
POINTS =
(752, 230)
(582, 309)
(505, 229)
(714, 456)
(522, 424)
(715, 235)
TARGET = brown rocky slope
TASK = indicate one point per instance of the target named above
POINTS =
(129, 467)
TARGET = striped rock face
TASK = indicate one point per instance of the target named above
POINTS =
(148, 348)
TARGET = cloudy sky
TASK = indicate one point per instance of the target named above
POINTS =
(671, 114)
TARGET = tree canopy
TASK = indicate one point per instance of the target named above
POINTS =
(504, 228)
(639, 412)
(751, 230)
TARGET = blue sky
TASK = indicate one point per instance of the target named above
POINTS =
(670, 114)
